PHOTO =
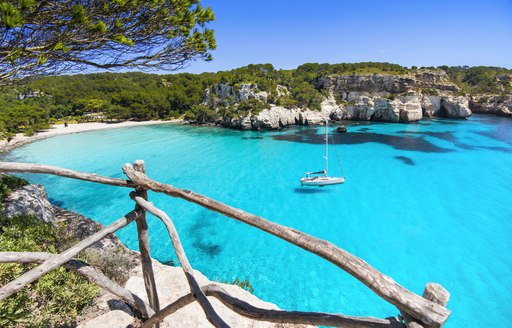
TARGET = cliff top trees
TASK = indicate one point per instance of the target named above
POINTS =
(50, 37)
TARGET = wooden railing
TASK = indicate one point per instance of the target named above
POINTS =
(416, 311)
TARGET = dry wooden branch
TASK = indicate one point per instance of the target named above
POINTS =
(59, 259)
(432, 292)
(208, 309)
(145, 253)
(247, 310)
(47, 169)
(85, 270)
(424, 310)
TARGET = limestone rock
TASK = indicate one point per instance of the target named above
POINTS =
(172, 284)
(431, 105)
(492, 104)
(362, 109)
(455, 107)
(387, 110)
(29, 200)
(411, 109)
(225, 94)
(331, 109)
(112, 319)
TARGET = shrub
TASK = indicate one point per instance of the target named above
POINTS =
(54, 300)
(8, 183)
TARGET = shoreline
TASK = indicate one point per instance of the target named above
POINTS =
(59, 129)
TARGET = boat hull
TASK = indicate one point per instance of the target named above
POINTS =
(321, 181)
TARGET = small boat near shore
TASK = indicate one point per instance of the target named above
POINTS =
(322, 178)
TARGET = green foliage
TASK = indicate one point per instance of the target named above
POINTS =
(72, 35)
(8, 183)
(55, 299)
(253, 106)
(481, 79)
(201, 114)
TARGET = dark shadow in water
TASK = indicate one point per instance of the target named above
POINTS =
(446, 122)
(448, 136)
(497, 148)
(353, 138)
(55, 202)
(252, 138)
(209, 249)
(311, 190)
(405, 160)
(199, 231)
(364, 129)
(498, 134)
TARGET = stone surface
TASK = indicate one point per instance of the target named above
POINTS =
(455, 107)
(410, 110)
(362, 109)
(112, 319)
(431, 105)
(29, 200)
(492, 104)
(387, 110)
(172, 284)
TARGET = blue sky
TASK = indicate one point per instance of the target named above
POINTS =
(289, 33)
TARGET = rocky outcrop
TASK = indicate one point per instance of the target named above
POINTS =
(173, 284)
(492, 104)
(431, 105)
(225, 94)
(455, 107)
(29, 200)
(361, 109)
(375, 83)
(363, 97)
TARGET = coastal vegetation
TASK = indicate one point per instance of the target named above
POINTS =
(58, 297)
(38, 102)
(54, 300)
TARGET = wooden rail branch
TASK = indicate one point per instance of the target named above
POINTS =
(145, 253)
(198, 294)
(432, 292)
(424, 310)
(85, 270)
(278, 316)
(47, 169)
(59, 259)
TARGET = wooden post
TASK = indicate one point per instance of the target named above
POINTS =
(434, 293)
(143, 236)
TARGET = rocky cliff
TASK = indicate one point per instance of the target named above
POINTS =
(376, 97)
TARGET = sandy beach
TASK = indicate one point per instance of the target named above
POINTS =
(60, 129)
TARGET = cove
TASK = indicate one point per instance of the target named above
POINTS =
(422, 202)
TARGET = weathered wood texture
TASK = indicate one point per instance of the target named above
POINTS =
(420, 308)
(195, 289)
(145, 252)
(432, 292)
(47, 169)
(59, 259)
(278, 316)
(85, 270)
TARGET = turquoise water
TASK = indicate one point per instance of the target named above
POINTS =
(422, 202)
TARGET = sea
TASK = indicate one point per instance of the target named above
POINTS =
(423, 202)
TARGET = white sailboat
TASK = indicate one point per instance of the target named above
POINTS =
(322, 178)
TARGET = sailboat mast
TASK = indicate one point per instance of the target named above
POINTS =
(326, 149)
